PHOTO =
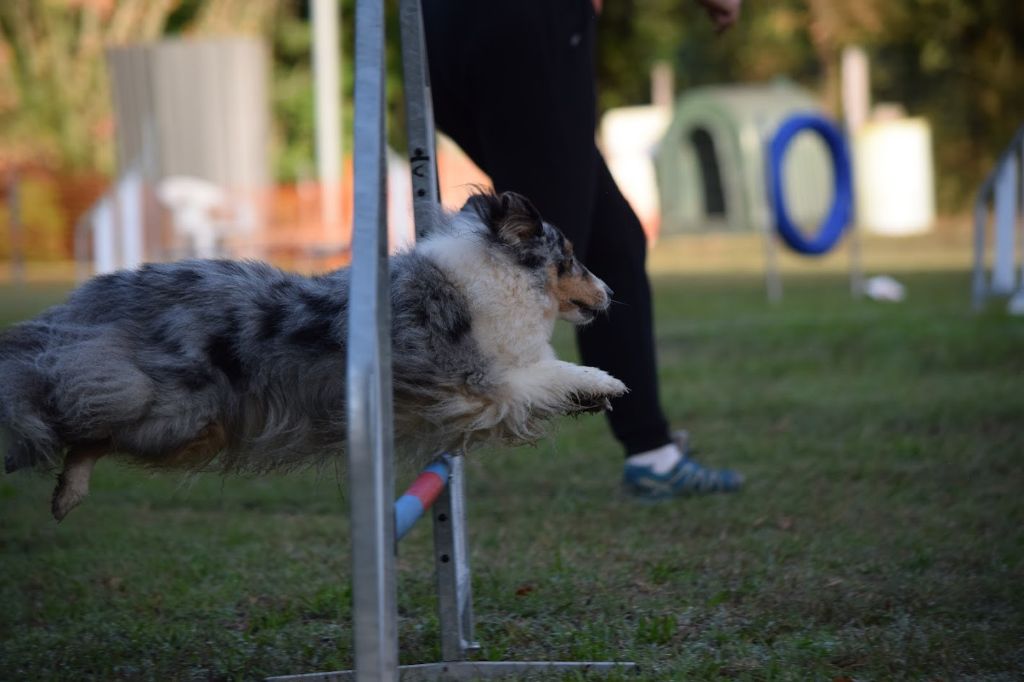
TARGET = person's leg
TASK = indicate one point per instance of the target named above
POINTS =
(657, 465)
(622, 343)
(513, 85)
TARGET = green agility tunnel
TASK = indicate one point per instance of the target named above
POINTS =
(711, 162)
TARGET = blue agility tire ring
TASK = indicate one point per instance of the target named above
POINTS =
(841, 211)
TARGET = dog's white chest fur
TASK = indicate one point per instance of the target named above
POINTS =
(512, 320)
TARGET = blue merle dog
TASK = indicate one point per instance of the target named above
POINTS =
(240, 367)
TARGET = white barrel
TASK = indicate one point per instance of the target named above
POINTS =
(894, 177)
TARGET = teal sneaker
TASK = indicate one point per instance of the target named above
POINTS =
(687, 477)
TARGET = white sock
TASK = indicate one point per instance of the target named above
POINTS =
(660, 460)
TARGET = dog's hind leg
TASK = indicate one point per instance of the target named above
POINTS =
(209, 442)
(73, 481)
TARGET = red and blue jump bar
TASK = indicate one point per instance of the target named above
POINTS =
(423, 492)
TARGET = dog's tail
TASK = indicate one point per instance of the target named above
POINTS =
(25, 434)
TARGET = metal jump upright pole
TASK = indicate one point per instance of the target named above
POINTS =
(371, 475)
(451, 553)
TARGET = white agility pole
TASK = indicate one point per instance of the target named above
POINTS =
(1003, 191)
(327, 97)
(1004, 271)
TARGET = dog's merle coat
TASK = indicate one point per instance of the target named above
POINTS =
(238, 366)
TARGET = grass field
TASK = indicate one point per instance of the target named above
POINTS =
(879, 537)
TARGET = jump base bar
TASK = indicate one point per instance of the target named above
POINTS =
(473, 670)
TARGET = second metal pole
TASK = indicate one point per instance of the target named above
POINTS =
(451, 553)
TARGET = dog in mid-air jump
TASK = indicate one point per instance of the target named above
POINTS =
(240, 367)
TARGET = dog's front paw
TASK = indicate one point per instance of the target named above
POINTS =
(601, 383)
(612, 387)
(596, 395)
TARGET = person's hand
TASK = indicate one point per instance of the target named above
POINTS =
(723, 13)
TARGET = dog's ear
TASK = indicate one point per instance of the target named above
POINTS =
(485, 205)
(510, 216)
(519, 220)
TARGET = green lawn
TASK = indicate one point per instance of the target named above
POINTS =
(879, 537)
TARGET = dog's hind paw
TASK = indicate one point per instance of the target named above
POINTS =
(73, 482)
(65, 498)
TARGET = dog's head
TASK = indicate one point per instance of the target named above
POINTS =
(517, 228)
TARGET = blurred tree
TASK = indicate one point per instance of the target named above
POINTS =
(58, 107)
(292, 93)
(55, 111)
(770, 40)
(956, 62)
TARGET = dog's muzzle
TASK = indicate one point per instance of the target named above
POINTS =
(589, 310)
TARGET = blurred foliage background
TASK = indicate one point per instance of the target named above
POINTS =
(956, 62)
